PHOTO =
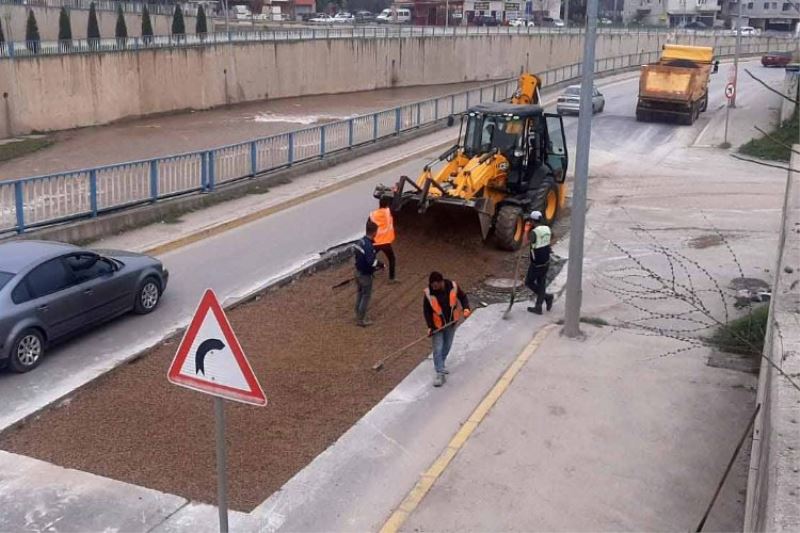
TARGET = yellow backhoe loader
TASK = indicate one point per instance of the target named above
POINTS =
(510, 159)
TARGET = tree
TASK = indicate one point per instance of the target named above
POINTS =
(178, 25)
(32, 33)
(93, 29)
(147, 25)
(64, 26)
(121, 31)
(201, 28)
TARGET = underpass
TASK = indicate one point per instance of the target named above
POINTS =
(237, 261)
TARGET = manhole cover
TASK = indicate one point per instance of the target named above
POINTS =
(500, 284)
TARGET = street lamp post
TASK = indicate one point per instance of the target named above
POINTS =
(732, 101)
(572, 313)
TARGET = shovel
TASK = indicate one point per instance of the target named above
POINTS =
(507, 312)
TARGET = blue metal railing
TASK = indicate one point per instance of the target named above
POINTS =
(38, 201)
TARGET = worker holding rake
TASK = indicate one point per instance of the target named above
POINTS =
(536, 278)
(443, 305)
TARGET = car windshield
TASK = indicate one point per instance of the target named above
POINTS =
(5, 277)
(573, 91)
(485, 132)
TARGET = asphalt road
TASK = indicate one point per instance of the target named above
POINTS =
(240, 261)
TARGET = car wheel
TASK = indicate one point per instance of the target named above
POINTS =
(148, 296)
(27, 351)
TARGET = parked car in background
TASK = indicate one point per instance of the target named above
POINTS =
(400, 16)
(750, 31)
(553, 23)
(776, 59)
(485, 20)
(306, 17)
(606, 21)
(242, 12)
(570, 101)
(694, 25)
(322, 18)
(365, 16)
(50, 291)
(344, 17)
(521, 22)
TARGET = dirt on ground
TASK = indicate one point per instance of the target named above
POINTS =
(313, 362)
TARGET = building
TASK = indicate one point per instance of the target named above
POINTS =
(304, 7)
(765, 15)
(507, 10)
(672, 13)
(432, 12)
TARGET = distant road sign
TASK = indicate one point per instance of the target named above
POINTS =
(210, 358)
(730, 90)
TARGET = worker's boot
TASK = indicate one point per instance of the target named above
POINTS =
(537, 310)
(439, 380)
(548, 301)
(394, 280)
(366, 322)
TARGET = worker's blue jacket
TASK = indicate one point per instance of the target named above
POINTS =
(366, 257)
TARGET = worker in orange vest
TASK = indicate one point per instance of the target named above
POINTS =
(443, 305)
(385, 237)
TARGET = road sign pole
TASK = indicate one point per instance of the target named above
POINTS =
(732, 101)
(727, 118)
(222, 472)
(572, 313)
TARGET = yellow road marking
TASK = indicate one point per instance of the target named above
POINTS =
(427, 479)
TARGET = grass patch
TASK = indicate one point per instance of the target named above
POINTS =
(744, 335)
(766, 148)
(24, 147)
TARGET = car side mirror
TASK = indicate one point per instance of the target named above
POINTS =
(450, 121)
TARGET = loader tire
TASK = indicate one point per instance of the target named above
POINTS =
(545, 199)
(509, 228)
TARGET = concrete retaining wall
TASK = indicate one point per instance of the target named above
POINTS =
(14, 20)
(773, 490)
(61, 92)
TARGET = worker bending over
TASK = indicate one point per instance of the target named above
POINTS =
(385, 236)
(536, 278)
(443, 305)
(366, 265)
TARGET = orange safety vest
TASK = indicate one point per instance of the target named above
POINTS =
(383, 218)
(438, 313)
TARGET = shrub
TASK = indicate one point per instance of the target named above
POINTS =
(32, 33)
(93, 29)
(201, 28)
(178, 25)
(147, 25)
(64, 26)
(121, 30)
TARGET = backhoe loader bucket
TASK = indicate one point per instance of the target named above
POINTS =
(414, 201)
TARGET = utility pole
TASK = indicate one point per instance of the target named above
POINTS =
(446, 14)
(566, 13)
(227, 23)
(578, 224)
(732, 101)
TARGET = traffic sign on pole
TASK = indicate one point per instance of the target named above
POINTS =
(210, 358)
(730, 91)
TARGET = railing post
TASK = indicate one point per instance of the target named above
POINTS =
(212, 171)
(10, 49)
(19, 201)
(93, 192)
(321, 142)
(419, 115)
(154, 180)
(350, 133)
(436, 109)
(203, 170)
(253, 159)
(396, 120)
(290, 155)
(453, 101)
(494, 93)
(374, 126)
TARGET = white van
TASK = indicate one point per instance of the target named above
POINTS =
(241, 12)
(401, 15)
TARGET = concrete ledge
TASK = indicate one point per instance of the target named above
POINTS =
(773, 488)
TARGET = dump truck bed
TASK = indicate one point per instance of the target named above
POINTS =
(665, 82)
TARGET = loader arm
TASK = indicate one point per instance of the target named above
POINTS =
(527, 90)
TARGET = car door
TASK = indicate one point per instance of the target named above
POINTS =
(103, 287)
(597, 99)
(50, 293)
(557, 156)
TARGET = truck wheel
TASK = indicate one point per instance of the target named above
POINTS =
(509, 228)
(704, 106)
(545, 199)
(641, 116)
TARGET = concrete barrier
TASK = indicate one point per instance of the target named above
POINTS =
(62, 92)
(14, 20)
(773, 489)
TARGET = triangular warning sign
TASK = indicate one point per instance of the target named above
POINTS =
(210, 358)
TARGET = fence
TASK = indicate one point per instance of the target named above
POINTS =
(31, 202)
(104, 5)
(35, 48)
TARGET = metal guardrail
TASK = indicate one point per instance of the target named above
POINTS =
(104, 5)
(38, 201)
(23, 49)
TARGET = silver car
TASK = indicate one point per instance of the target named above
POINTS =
(50, 291)
(570, 101)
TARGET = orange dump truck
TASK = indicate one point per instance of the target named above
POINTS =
(677, 86)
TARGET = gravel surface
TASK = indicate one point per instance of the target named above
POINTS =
(313, 362)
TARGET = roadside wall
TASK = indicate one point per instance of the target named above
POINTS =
(14, 19)
(60, 92)
(773, 489)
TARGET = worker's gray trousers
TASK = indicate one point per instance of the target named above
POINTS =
(364, 293)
